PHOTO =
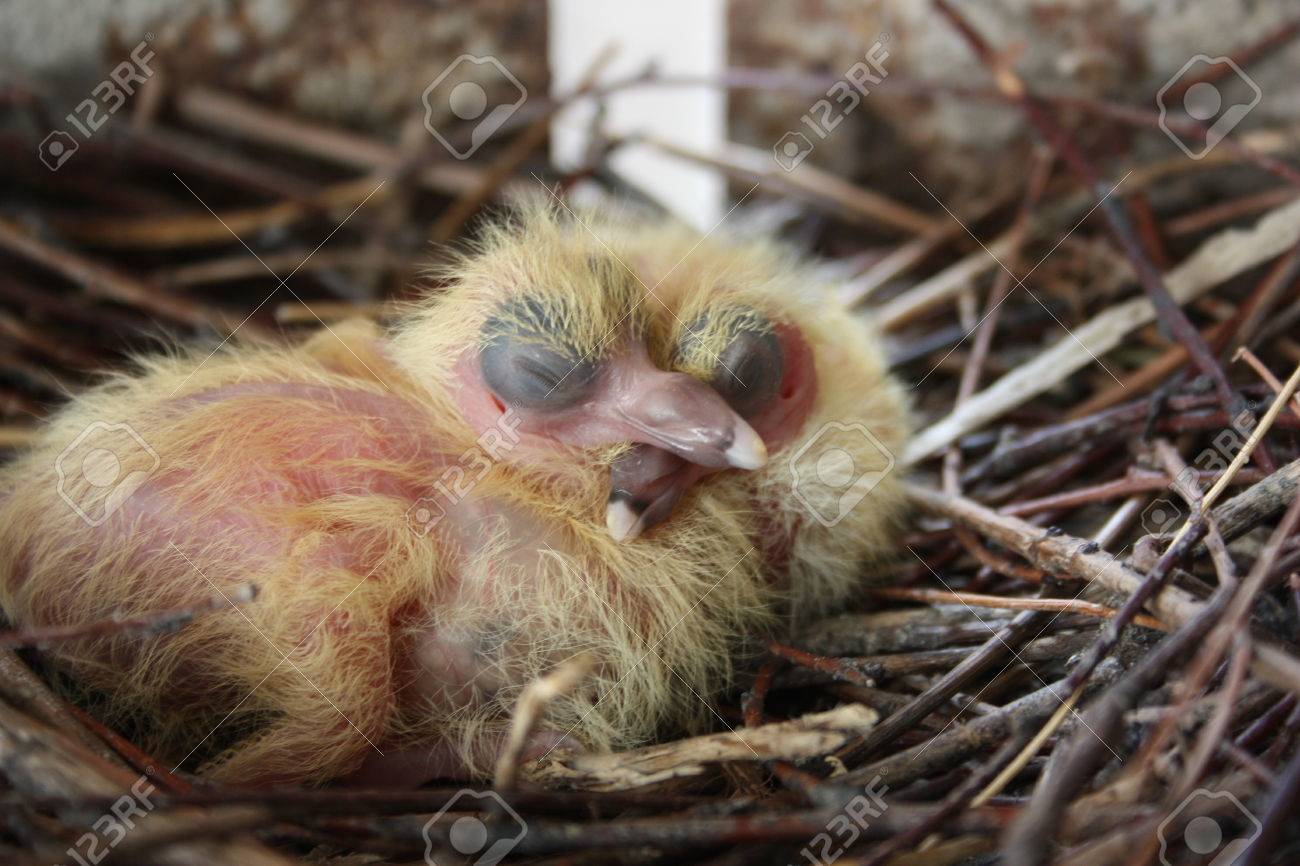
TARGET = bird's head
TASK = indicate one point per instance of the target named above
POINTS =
(648, 352)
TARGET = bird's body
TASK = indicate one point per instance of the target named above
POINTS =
(437, 515)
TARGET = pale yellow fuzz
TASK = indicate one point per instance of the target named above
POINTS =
(296, 682)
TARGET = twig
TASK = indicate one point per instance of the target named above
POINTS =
(102, 281)
(1024, 844)
(1072, 605)
(840, 669)
(42, 762)
(960, 742)
(1003, 641)
(531, 709)
(1279, 814)
(1267, 375)
(1215, 261)
(1239, 460)
(1063, 553)
(230, 115)
(1031, 748)
(809, 736)
(752, 165)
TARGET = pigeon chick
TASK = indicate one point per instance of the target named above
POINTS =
(604, 435)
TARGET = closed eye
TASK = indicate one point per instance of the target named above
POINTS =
(742, 357)
(525, 363)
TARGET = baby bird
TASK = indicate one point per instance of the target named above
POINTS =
(606, 435)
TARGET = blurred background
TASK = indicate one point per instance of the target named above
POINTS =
(169, 162)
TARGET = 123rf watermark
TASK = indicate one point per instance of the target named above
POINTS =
(1165, 511)
(1204, 101)
(829, 112)
(104, 101)
(101, 468)
(836, 468)
(458, 479)
(846, 827)
(479, 91)
(472, 839)
(1207, 824)
(111, 828)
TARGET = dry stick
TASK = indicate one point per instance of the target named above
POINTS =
(1223, 256)
(1166, 307)
(1134, 482)
(101, 281)
(531, 709)
(204, 228)
(1159, 575)
(1266, 374)
(1218, 214)
(156, 622)
(1178, 471)
(1237, 329)
(1011, 770)
(993, 561)
(689, 832)
(22, 688)
(1278, 816)
(1002, 642)
(1267, 44)
(1077, 434)
(810, 736)
(132, 754)
(750, 164)
(848, 670)
(41, 762)
(299, 802)
(960, 742)
(970, 377)
(196, 154)
(863, 669)
(751, 704)
(229, 115)
(1025, 841)
(1215, 730)
(1250, 317)
(1018, 763)
(1002, 284)
(228, 268)
(1231, 625)
(947, 283)
(1062, 553)
(1283, 398)
(1251, 507)
(895, 264)
(1266, 723)
(1149, 229)
(972, 599)
(953, 804)
(896, 630)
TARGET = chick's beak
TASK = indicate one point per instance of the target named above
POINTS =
(681, 430)
(684, 416)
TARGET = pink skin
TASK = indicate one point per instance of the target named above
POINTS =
(681, 429)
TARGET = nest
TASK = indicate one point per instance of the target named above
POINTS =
(1086, 649)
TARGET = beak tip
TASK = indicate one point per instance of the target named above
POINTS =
(623, 523)
(748, 451)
